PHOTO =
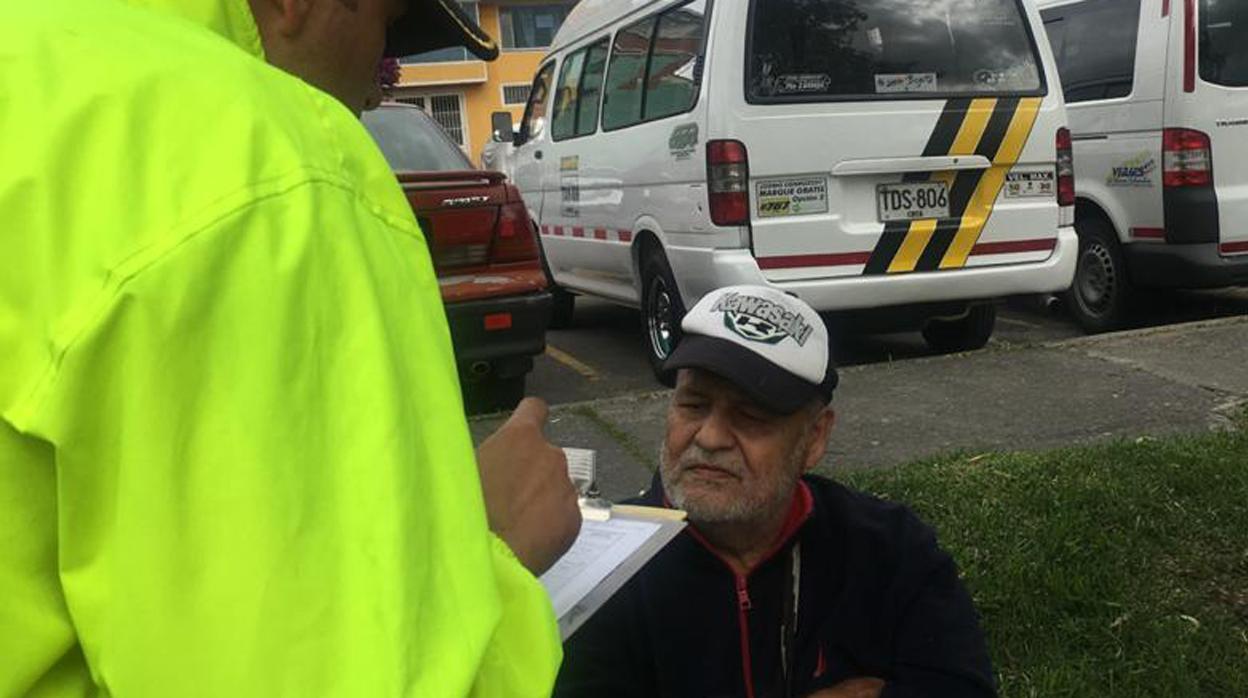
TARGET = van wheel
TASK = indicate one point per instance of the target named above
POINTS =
(661, 311)
(964, 334)
(1099, 295)
(562, 306)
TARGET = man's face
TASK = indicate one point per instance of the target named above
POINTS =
(725, 459)
(336, 45)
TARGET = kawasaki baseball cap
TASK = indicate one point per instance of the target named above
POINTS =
(429, 25)
(772, 346)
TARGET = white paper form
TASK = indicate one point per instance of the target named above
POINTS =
(601, 547)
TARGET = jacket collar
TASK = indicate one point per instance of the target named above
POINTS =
(800, 511)
(232, 19)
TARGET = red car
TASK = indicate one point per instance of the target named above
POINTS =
(484, 250)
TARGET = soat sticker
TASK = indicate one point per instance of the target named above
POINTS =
(792, 197)
(1024, 185)
(1136, 172)
(890, 83)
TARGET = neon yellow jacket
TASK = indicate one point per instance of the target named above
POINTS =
(233, 460)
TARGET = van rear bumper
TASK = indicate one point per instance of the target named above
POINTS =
(702, 270)
(1184, 266)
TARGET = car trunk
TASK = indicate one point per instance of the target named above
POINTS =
(478, 236)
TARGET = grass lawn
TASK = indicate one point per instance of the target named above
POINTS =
(1117, 570)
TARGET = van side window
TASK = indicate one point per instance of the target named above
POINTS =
(591, 89)
(1094, 44)
(580, 86)
(626, 77)
(535, 110)
(1224, 42)
(563, 124)
(671, 85)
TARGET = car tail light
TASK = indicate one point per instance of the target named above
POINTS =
(513, 236)
(728, 181)
(1065, 168)
(1187, 158)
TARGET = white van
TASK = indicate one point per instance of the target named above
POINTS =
(894, 155)
(1157, 94)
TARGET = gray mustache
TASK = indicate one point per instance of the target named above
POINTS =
(696, 455)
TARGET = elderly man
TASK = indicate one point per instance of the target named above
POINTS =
(786, 584)
(233, 456)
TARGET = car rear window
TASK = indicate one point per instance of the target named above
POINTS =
(412, 142)
(1224, 42)
(811, 50)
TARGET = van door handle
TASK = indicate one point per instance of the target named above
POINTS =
(537, 155)
(884, 166)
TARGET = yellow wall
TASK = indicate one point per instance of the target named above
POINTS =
(480, 83)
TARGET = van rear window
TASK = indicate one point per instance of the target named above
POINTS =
(811, 50)
(1224, 42)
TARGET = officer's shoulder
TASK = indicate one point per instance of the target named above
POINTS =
(226, 107)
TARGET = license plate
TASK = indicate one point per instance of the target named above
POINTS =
(912, 201)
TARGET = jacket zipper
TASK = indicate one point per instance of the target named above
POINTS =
(743, 623)
(742, 585)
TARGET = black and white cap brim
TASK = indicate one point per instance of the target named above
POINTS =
(430, 25)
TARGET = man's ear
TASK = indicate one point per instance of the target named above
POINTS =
(817, 444)
(283, 17)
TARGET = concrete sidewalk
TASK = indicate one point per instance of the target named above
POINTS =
(1167, 380)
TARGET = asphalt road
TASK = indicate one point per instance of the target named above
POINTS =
(601, 355)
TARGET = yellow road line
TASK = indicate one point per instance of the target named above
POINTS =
(572, 362)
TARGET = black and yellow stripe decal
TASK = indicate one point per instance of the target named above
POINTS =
(994, 128)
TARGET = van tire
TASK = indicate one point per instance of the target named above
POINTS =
(967, 333)
(562, 308)
(661, 311)
(562, 302)
(1099, 296)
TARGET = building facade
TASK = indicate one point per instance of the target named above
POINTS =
(461, 92)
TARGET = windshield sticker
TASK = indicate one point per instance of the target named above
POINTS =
(1023, 185)
(876, 39)
(987, 78)
(683, 141)
(892, 83)
(1136, 172)
(792, 197)
(800, 83)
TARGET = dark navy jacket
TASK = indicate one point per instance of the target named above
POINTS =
(876, 597)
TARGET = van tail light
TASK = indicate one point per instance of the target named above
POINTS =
(1187, 158)
(514, 240)
(728, 181)
(1065, 168)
